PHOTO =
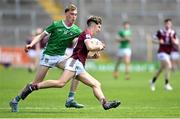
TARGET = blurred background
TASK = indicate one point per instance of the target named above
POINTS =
(18, 18)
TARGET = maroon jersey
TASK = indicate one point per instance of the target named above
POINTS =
(43, 42)
(165, 35)
(80, 52)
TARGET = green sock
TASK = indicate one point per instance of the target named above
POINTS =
(17, 98)
(71, 96)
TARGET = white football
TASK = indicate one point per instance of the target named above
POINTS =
(95, 41)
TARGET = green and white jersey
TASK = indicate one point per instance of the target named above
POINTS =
(124, 33)
(60, 37)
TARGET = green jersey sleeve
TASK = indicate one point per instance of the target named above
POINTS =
(120, 33)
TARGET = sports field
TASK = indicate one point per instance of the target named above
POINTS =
(135, 95)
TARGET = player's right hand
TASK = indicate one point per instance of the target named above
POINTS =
(27, 47)
(161, 41)
(103, 46)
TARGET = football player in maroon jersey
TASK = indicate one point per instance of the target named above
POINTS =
(165, 38)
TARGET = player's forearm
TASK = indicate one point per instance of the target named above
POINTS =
(175, 41)
(156, 41)
(126, 39)
(37, 39)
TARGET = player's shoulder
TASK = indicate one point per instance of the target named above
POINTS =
(57, 23)
(76, 28)
(121, 30)
(160, 30)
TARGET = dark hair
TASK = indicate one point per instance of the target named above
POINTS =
(94, 19)
(125, 22)
(167, 20)
(70, 7)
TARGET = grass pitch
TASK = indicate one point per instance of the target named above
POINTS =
(135, 95)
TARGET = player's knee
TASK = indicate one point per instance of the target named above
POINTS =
(97, 84)
(170, 67)
(61, 84)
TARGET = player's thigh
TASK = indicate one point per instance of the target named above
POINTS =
(166, 63)
(127, 59)
(164, 60)
(87, 79)
(61, 64)
(40, 74)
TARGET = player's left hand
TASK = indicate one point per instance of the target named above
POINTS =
(27, 47)
(96, 55)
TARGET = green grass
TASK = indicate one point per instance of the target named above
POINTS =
(135, 95)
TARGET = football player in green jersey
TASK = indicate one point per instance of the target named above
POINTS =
(62, 33)
(124, 52)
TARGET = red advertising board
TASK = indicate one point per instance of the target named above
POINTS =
(15, 56)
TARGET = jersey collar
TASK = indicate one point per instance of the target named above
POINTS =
(66, 25)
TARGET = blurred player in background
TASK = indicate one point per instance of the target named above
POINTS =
(165, 37)
(33, 53)
(75, 65)
(124, 52)
(62, 33)
(42, 43)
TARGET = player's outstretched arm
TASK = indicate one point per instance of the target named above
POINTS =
(118, 38)
(158, 41)
(35, 40)
(175, 40)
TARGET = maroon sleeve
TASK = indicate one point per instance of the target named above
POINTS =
(159, 35)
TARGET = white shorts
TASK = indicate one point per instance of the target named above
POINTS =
(32, 53)
(51, 61)
(124, 52)
(163, 56)
(74, 65)
(174, 55)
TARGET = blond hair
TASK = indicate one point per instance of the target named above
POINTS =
(70, 7)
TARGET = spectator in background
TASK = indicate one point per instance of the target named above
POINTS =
(124, 52)
(166, 38)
